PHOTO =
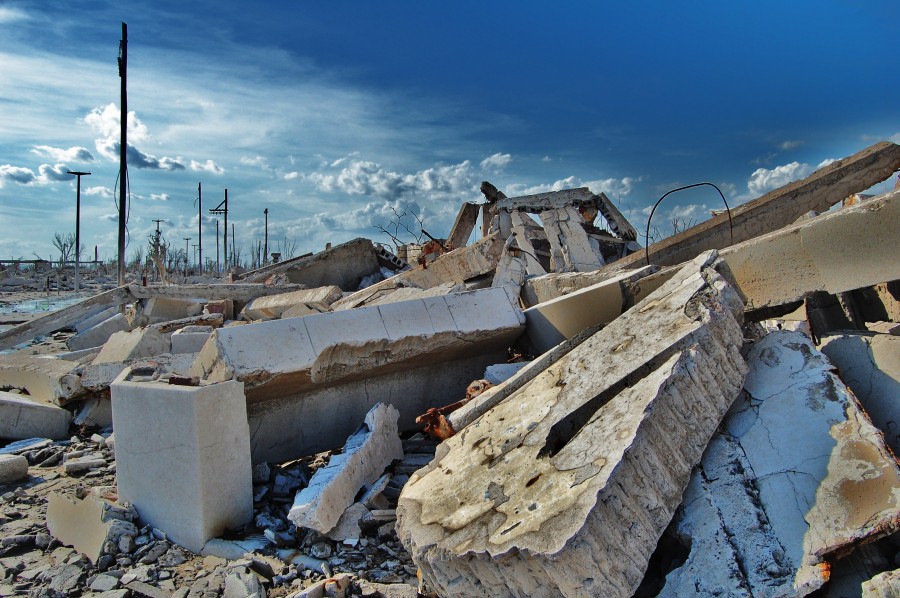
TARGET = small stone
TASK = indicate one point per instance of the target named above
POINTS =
(261, 473)
(126, 544)
(13, 468)
(320, 550)
(104, 583)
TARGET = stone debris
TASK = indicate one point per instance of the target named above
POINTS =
(579, 401)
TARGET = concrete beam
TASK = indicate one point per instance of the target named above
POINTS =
(566, 486)
(553, 200)
(211, 292)
(271, 307)
(463, 225)
(779, 208)
(281, 357)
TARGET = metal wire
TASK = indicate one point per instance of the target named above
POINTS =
(647, 232)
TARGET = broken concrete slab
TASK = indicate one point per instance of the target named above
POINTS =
(98, 377)
(463, 225)
(183, 456)
(883, 585)
(190, 339)
(343, 265)
(136, 344)
(98, 334)
(279, 357)
(95, 412)
(163, 309)
(548, 287)
(552, 322)
(242, 292)
(23, 417)
(798, 477)
(13, 468)
(214, 320)
(870, 366)
(86, 524)
(273, 306)
(332, 488)
(93, 320)
(566, 486)
(779, 208)
(570, 248)
(48, 380)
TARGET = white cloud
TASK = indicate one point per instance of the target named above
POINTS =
(361, 177)
(159, 196)
(764, 180)
(616, 188)
(99, 191)
(895, 138)
(826, 162)
(496, 162)
(9, 14)
(789, 145)
(546, 159)
(255, 161)
(109, 148)
(16, 174)
(208, 166)
(106, 121)
(73, 154)
(292, 175)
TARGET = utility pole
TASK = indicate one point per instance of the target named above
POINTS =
(186, 240)
(156, 249)
(123, 150)
(200, 226)
(77, 222)
(266, 243)
(217, 246)
(233, 247)
(222, 210)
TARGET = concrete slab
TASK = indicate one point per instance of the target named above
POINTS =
(48, 380)
(282, 357)
(98, 377)
(98, 334)
(273, 306)
(332, 488)
(870, 366)
(95, 412)
(565, 487)
(137, 344)
(183, 457)
(160, 309)
(190, 339)
(22, 417)
(91, 321)
(13, 468)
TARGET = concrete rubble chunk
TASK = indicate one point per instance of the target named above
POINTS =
(48, 380)
(280, 356)
(883, 585)
(570, 248)
(98, 377)
(213, 320)
(547, 287)
(98, 334)
(565, 487)
(332, 488)
(183, 456)
(274, 306)
(463, 225)
(162, 309)
(13, 468)
(190, 339)
(22, 417)
(143, 342)
(87, 525)
(798, 477)
(870, 366)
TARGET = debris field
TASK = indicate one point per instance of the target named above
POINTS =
(549, 410)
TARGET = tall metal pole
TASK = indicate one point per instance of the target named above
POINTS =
(77, 222)
(217, 246)
(200, 226)
(226, 230)
(123, 150)
(266, 243)
(233, 248)
(186, 240)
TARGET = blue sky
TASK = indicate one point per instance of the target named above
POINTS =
(334, 115)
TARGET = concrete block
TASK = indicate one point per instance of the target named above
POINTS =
(883, 585)
(170, 308)
(98, 377)
(93, 320)
(190, 339)
(273, 306)
(23, 417)
(87, 525)
(798, 477)
(332, 488)
(97, 335)
(183, 456)
(870, 366)
(95, 412)
(565, 487)
(48, 380)
(143, 342)
(13, 468)
(282, 357)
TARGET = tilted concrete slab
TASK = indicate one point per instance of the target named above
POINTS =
(99, 376)
(343, 265)
(98, 334)
(48, 380)
(22, 417)
(161, 309)
(565, 487)
(215, 320)
(332, 488)
(282, 357)
(797, 479)
(779, 208)
(870, 366)
(242, 292)
(548, 287)
(91, 321)
(550, 323)
(463, 225)
(271, 307)
(139, 343)
(183, 457)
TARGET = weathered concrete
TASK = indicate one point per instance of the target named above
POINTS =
(242, 292)
(216, 320)
(796, 479)
(286, 356)
(91, 321)
(550, 323)
(870, 366)
(100, 376)
(463, 225)
(332, 488)
(49, 380)
(183, 457)
(22, 417)
(162, 309)
(305, 423)
(548, 287)
(565, 487)
(87, 525)
(98, 334)
(395, 294)
(271, 307)
(143, 342)
(883, 585)
(570, 249)
(343, 265)
(65, 317)
(190, 339)
(779, 208)
(95, 412)
(13, 468)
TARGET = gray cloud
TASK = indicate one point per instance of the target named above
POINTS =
(73, 154)
(16, 174)
(109, 148)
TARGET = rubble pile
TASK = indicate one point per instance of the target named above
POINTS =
(549, 410)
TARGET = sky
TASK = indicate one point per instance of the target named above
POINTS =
(337, 117)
